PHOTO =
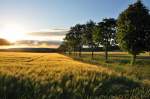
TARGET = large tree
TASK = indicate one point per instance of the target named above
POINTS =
(147, 38)
(132, 26)
(73, 38)
(70, 41)
(97, 36)
(88, 36)
(106, 34)
(147, 41)
(78, 35)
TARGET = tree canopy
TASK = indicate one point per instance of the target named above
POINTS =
(107, 33)
(132, 26)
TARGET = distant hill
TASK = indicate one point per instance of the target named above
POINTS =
(4, 42)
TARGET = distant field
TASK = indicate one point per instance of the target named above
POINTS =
(55, 76)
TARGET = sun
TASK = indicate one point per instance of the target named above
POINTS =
(12, 32)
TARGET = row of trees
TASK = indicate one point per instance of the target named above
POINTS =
(91, 35)
(131, 32)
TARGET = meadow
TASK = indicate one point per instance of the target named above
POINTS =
(120, 62)
(56, 76)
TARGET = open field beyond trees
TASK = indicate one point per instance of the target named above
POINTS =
(55, 76)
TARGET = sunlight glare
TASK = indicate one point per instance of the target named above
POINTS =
(12, 32)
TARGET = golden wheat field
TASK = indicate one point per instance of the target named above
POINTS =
(55, 76)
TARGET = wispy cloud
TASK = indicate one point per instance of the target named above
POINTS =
(44, 38)
(62, 33)
(50, 32)
(36, 43)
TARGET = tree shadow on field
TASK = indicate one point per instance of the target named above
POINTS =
(118, 86)
(126, 59)
(123, 59)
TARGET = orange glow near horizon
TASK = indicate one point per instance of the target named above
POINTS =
(15, 32)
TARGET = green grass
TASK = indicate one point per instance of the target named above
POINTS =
(120, 62)
(55, 76)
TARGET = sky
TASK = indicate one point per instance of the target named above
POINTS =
(51, 19)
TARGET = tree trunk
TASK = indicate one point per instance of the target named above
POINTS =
(74, 51)
(80, 49)
(133, 59)
(69, 52)
(106, 53)
(92, 52)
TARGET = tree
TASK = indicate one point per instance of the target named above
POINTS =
(97, 36)
(88, 36)
(73, 39)
(132, 25)
(4, 42)
(147, 41)
(69, 41)
(106, 34)
(63, 47)
(78, 35)
(147, 38)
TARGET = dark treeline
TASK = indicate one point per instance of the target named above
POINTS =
(4, 42)
(36, 50)
(91, 36)
(131, 32)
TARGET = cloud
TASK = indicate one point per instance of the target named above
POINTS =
(44, 38)
(36, 43)
(50, 32)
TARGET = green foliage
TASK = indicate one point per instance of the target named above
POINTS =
(88, 36)
(78, 36)
(74, 39)
(132, 26)
(107, 33)
(97, 35)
